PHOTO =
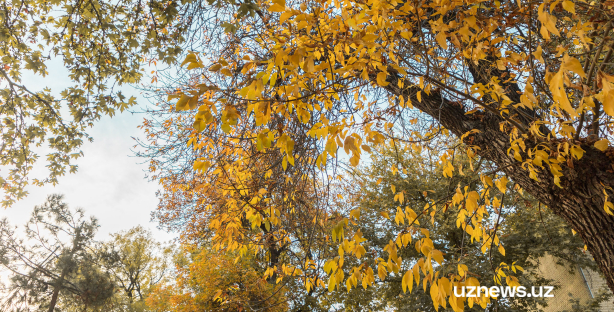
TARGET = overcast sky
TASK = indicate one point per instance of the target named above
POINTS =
(110, 183)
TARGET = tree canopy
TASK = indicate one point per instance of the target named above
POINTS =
(275, 100)
(102, 45)
(248, 143)
(57, 265)
(51, 264)
(367, 189)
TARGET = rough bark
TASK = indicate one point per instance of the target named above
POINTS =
(579, 200)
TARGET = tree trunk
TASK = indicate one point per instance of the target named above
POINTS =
(580, 199)
(56, 290)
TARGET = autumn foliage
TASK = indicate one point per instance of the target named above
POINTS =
(276, 104)
(209, 281)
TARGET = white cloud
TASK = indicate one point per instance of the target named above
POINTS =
(110, 183)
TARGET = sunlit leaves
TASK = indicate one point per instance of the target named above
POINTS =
(548, 22)
(606, 96)
(381, 79)
(304, 89)
(407, 281)
(602, 144)
(278, 6)
(502, 184)
(186, 103)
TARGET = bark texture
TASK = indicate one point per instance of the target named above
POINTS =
(580, 199)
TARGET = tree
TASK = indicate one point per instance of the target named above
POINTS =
(51, 265)
(102, 45)
(526, 87)
(368, 188)
(137, 264)
(212, 281)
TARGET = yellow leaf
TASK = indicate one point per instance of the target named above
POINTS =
(574, 65)
(441, 39)
(502, 250)
(277, 8)
(381, 272)
(502, 184)
(548, 22)
(309, 65)
(201, 165)
(487, 180)
(199, 125)
(558, 93)
(462, 269)
(194, 65)
(381, 79)
(193, 102)
(472, 201)
(215, 67)
(437, 256)
(224, 71)
(182, 104)
(569, 7)
(456, 303)
(284, 16)
(190, 58)
(348, 145)
(427, 246)
(408, 281)
(369, 37)
(538, 54)
(217, 295)
(434, 295)
(602, 144)
(577, 152)
(606, 96)
(332, 282)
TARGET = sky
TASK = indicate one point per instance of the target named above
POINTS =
(110, 183)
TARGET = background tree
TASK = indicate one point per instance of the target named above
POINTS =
(368, 189)
(417, 175)
(51, 264)
(103, 45)
(137, 263)
(526, 87)
(211, 281)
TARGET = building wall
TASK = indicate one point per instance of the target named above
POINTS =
(573, 285)
(597, 284)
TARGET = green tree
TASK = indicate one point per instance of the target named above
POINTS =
(102, 45)
(137, 264)
(418, 176)
(51, 264)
